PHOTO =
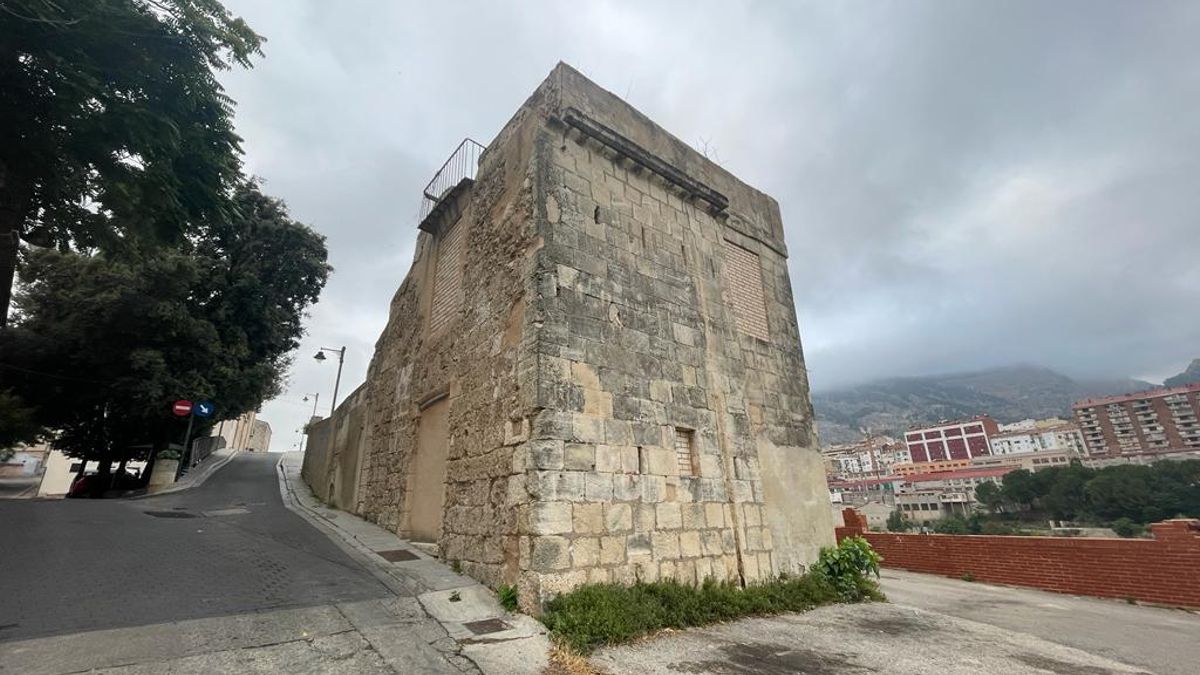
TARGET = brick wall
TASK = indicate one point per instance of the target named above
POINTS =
(1161, 570)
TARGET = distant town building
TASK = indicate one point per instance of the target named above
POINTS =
(240, 433)
(1154, 421)
(1063, 437)
(952, 440)
(260, 437)
(871, 457)
(931, 496)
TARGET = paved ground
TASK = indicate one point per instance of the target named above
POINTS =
(852, 640)
(19, 488)
(1160, 640)
(244, 573)
(229, 547)
(934, 625)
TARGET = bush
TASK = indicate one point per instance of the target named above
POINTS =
(951, 525)
(1124, 527)
(168, 454)
(595, 615)
(847, 565)
(508, 597)
(898, 522)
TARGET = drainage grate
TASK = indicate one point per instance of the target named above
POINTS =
(398, 555)
(486, 626)
(169, 514)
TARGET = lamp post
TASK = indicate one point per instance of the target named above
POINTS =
(320, 356)
(304, 427)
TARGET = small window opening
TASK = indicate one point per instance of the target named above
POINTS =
(685, 451)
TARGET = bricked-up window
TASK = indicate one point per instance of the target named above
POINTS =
(685, 451)
(743, 279)
(447, 278)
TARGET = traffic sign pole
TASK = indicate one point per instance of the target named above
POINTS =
(187, 437)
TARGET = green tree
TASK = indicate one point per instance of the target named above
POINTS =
(898, 522)
(116, 131)
(1122, 491)
(112, 340)
(990, 495)
(18, 424)
(1066, 496)
(1020, 487)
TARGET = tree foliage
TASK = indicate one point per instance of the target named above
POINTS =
(898, 522)
(111, 340)
(116, 130)
(1143, 494)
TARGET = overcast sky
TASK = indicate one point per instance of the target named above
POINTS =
(964, 184)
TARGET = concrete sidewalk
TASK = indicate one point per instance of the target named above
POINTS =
(852, 640)
(1163, 641)
(495, 640)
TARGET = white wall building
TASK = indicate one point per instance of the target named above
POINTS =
(1062, 438)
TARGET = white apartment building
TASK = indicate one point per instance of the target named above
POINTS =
(1064, 437)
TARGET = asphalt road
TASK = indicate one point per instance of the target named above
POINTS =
(1163, 641)
(227, 547)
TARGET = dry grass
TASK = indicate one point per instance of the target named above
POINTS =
(563, 661)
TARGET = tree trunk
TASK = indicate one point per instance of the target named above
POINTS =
(14, 208)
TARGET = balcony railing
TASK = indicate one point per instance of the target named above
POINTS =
(460, 166)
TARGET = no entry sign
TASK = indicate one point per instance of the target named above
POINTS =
(182, 408)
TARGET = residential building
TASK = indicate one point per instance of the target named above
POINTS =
(874, 456)
(592, 371)
(951, 440)
(1153, 421)
(1062, 437)
(260, 437)
(930, 496)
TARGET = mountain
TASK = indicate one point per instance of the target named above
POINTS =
(1008, 394)
(1190, 375)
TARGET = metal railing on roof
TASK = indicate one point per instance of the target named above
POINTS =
(461, 165)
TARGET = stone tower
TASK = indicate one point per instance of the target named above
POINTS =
(593, 371)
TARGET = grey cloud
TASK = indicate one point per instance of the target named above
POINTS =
(964, 184)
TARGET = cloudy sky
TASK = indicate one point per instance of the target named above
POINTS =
(963, 184)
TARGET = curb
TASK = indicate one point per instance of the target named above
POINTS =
(521, 648)
(200, 479)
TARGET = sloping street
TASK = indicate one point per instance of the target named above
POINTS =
(230, 547)
(224, 577)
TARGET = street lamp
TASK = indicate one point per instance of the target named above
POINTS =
(320, 356)
(304, 429)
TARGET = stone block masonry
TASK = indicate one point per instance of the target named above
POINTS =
(1161, 570)
(620, 373)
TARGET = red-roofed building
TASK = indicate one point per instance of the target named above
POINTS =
(951, 440)
(930, 496)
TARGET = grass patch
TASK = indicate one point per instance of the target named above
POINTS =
(596, 615)
(507, 594)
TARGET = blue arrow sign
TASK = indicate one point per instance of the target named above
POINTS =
(203, 409)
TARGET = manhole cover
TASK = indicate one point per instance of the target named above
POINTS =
(486, 626)
(169, 514)
(398, 555)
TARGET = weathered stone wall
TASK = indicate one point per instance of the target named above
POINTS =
(639, 338)
(621, 292)
(331, 465)
(478, 360)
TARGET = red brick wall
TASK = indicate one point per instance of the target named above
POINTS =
(1164, 570)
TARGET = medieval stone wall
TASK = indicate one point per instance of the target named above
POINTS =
(622, 369)
(640, 341)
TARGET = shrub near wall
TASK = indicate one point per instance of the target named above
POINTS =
(1162, 570)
